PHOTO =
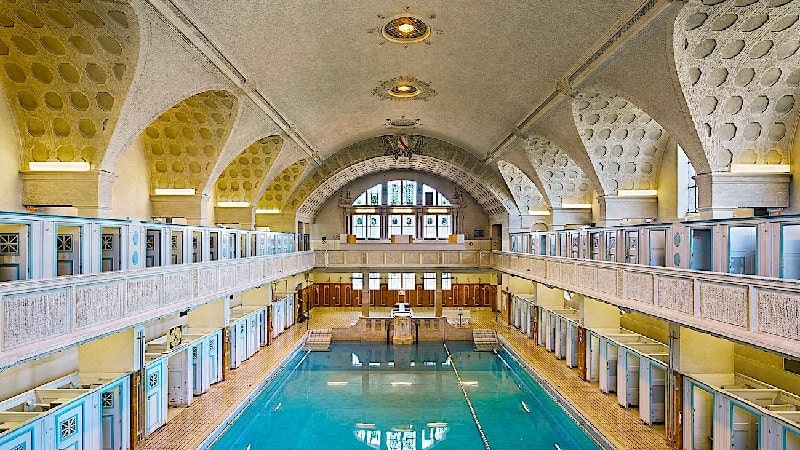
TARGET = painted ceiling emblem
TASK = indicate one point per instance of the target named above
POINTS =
(402, 145)
(404, 88)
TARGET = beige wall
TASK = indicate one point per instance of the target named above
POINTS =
(328, 221)
(794, 184)
(10, 182)
(765, 366)
(19, 379)
(131, 191)
(646, 326)
(668, 183)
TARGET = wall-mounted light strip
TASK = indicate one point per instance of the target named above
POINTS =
(637, 193)
(533, 212)
(59, 166)
(402, 210)
(337, 383)
(760, 168)
(233, 204)
(170, 191)
(576, 205)
(268, 211)
(365, 210)
(438, 210)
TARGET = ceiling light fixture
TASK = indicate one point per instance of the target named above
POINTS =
(59, 166)
(760, 168)
(171, 191)
(233, 204)
(406, 30)
(637, 193)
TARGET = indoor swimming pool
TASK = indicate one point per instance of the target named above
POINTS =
(413, 397)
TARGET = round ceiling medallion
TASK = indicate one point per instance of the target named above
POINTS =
(406, 29)
(404, 88)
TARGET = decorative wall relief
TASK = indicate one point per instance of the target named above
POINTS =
(335, 257)
(429, 257)
(98, 303)
(394, 258)
(724, 303)
(568, 273)
(143, 293)
(553, 270)
(411, 258)
(177, 287)
(353, 258)
(585, 276)
(539, 267)
(207, 281)
(607, 281)
(676, 294)
(779, 314)
(375, 258)
(227, 277)
(30, 317)
(638, 287)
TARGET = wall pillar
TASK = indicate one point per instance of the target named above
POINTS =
(719, 193)
(438, 295)
(88, 192)
(364, 294)
(243, 217)
(194, 208)
(614, 210)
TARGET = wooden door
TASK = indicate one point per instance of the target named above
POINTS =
(418, 294)
(492, 295)
(326, 295)
(336, 294)
(384, 294)
(348, 295)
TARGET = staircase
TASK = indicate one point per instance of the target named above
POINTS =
(319, 340)
(485, 340)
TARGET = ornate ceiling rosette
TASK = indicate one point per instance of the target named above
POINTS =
(404, 87)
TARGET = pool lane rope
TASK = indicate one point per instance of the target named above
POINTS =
(466, 397)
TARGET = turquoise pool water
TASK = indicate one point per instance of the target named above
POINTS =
(361, 396)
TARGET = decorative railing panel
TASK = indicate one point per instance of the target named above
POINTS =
(761, 311)
(41, 316)
(357, 259)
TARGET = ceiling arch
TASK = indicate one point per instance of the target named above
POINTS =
(241, 180)
(485, 185)
(66, 70)
(277, 193)
(739, 68)
(624, 143)
(183, 144)
(563, 180)
(525, 193)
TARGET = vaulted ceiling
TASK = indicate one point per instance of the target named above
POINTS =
(555, 100)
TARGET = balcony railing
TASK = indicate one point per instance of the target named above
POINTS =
(405, 259)
(46, 315)
(760, 311)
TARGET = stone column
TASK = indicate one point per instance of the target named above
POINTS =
(437, 295)
(365, 294)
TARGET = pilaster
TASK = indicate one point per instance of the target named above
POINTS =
(88, 192)
(719, 193)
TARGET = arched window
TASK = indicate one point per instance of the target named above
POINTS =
(401, 207)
